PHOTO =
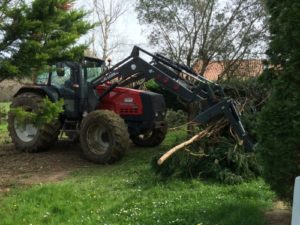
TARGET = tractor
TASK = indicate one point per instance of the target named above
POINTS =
(104, 114)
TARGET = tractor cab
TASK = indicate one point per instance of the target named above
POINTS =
(65, 73)
(69, 81)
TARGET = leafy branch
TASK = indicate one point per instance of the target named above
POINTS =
(47, 113)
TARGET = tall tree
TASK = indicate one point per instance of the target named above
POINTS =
(279, 121)
(200, 30)
(36, 34)
(108, 12)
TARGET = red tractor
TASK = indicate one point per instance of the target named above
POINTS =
(105, 115)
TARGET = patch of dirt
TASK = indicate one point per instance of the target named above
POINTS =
(280, 215)
(19, 168)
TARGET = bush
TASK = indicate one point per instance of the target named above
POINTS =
(279, 122)
(279, 138)
(176, 118)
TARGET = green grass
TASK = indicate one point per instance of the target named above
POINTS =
(4, 107)
(130, 193)
(3, 128)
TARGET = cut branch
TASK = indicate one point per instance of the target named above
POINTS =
(211, 129)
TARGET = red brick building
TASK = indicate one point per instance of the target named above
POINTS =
(242, 68)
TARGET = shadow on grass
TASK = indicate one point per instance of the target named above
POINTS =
(187, 213)
(238, 213)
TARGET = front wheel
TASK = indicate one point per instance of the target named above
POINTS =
(28, 137)
(151, 138)
(104, 137)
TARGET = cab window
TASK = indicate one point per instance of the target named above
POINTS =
(42, 78)
(61, 81)
(92, 69)
(92, 73)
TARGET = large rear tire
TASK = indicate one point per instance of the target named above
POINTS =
(151, 138)
(27, 137)
(104, 137)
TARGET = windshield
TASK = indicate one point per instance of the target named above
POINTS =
(92, 68)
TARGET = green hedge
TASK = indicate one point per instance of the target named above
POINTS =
(279, 122)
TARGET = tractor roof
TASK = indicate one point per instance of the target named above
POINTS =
(88, 59)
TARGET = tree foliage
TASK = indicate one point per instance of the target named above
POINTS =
(36, 34)
(47, 113)
(279, 122)
(189, 31)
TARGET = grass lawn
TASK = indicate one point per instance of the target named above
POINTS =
(129, 192)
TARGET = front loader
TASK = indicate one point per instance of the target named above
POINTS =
(105, 115)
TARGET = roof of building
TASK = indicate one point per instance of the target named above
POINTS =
(244, 68)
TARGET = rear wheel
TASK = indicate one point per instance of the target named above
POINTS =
(27, 137)
(104, 137)
(151, 138)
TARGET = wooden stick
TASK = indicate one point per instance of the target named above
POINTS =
(207, 132)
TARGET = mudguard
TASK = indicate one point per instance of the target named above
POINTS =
(52, 93)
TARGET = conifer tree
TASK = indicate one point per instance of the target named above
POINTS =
(36, 34)
(279, 121)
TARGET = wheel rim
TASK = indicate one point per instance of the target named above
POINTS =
(145, 136)
(26, 132)
(98, 139)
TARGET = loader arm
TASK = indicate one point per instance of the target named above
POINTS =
(178, 79)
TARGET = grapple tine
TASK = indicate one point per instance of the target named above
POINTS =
(227, 109)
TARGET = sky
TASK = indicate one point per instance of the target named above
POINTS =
(127, 28)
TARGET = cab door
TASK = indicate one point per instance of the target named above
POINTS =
(64, 78)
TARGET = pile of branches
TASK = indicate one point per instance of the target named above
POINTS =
(250, 96)
(215, 152)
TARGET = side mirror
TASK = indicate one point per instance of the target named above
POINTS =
(60, 70)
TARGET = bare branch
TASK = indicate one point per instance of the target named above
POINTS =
(205, 30)
(108, 12)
